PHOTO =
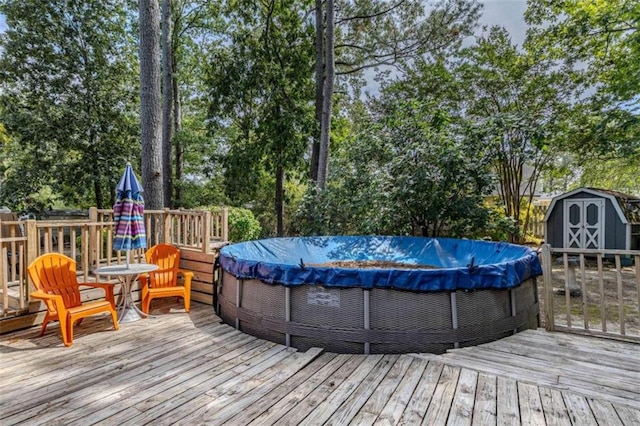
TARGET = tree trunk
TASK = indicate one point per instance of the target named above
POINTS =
(167, 101)
(150, 110)
(177, 125)
(327, 102)
(315, 146)
(279, 202)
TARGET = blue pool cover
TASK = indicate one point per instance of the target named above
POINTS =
(449, 264)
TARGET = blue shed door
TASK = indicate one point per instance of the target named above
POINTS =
(584, 223)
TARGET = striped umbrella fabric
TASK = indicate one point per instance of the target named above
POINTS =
(128, 213)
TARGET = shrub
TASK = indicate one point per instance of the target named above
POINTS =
(243, 225)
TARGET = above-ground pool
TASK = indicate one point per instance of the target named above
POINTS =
(378, 294)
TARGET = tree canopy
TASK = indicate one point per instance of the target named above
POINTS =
(68, 100)
(465, 129)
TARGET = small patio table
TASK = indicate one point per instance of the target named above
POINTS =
(127, 310)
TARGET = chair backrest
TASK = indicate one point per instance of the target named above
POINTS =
(55, 273)
(167, 257)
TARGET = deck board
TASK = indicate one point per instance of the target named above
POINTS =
(399, 400)
(179, 368)
(555, 412)
(484, 409)
(350, 407)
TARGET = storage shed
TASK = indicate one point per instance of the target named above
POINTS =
(591, 218)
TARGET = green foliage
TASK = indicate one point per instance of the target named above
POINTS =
(499, 227)
(386, 33)
(517, 107)
(598, 131)
(260, 87)
(599, 43)
(602, 38)
(243, 225)
(620, 174)
(68, 99)
(406, 171)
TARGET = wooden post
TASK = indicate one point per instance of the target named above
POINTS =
(93, 240)
(583, 290)
(549, 322)
(31, 233)
(603, 307)
(86, 250)
(166, 228)
(225, 224)
(206, 232)
(4, 276)
(621, 316)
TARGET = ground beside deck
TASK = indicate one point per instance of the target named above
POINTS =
(182, 368)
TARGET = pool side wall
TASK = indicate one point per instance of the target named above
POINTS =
(355, 320)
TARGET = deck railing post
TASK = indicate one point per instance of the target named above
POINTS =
(166, 227)
(206, 232)
(93, 237)
(4, 274)
(547, 275)
(225, 224)
(31, 233)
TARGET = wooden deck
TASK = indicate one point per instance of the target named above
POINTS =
(182, 368)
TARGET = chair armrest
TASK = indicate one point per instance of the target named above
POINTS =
(143, 279)
(39, 294)
(54, 302)
(188, 276)
(108, 290)
(98, 285)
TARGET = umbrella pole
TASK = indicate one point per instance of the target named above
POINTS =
(127, 256)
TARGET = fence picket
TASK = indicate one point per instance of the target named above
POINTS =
(617, 288)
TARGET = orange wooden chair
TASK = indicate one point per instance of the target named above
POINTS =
(163, 282)
(56, 282)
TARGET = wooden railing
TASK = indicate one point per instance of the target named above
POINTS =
(90, 243)
(595, 292)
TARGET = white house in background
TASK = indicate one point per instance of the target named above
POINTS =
(527, 172)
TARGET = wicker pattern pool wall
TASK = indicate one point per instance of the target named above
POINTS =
(357, 320)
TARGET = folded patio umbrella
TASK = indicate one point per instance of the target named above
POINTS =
(128, 214)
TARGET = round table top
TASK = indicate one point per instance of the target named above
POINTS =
(132, 269)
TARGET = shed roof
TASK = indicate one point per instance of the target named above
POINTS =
(627, 206)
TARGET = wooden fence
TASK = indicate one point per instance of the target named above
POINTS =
(595, 292)
(535, 227)
(198, 234)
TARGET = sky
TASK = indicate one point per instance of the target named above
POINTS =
(507, 13)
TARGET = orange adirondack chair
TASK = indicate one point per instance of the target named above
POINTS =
(163, 282)
(56, 282)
